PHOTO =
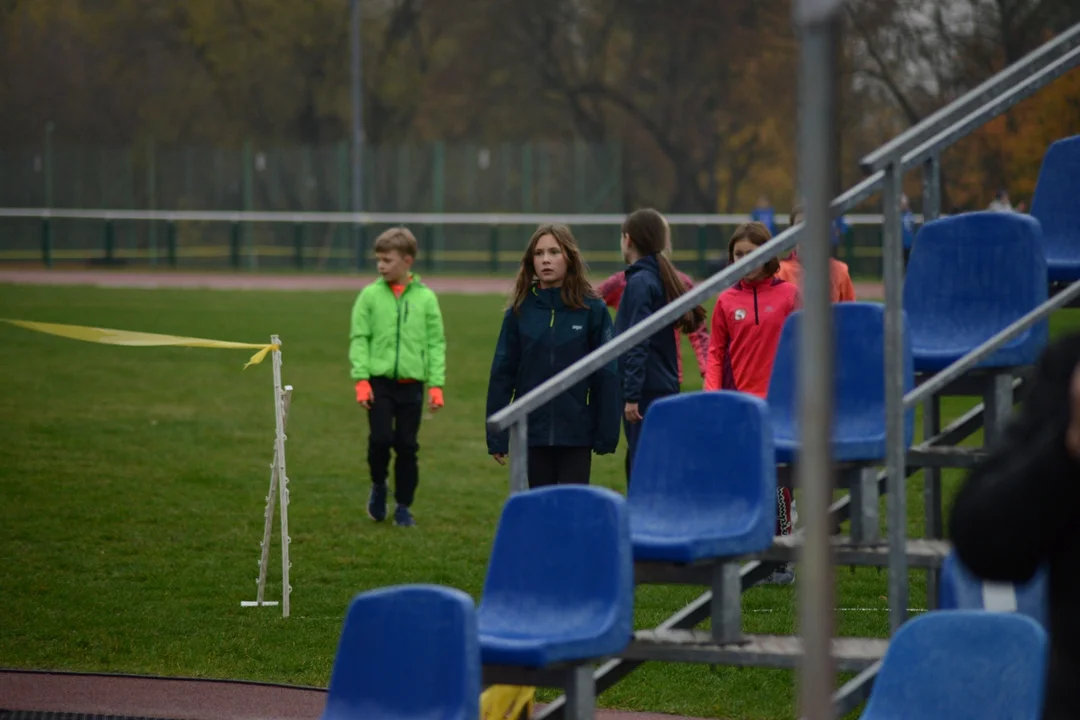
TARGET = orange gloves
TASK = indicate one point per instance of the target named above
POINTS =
(365, 397)
(363, 392)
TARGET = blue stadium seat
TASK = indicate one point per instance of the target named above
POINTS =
(961, 590)
(407, 653)
(686, 506)
(859, 411)
(962, 665)
(1057, 209)
(968, 278)
(560, 583)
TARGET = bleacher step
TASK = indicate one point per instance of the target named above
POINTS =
(921, 552)
(773, 651)
(945, 457)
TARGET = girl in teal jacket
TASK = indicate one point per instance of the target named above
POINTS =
(554, 320)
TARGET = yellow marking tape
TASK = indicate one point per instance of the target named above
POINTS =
(108, 336)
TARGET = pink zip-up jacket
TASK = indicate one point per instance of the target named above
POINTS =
(611, 291)
(746, 327)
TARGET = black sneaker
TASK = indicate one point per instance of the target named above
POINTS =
(784, 575)
(376, 504)
(403, 518)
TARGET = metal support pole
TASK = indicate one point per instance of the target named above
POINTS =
(932, 495)
(865, 520)
(998, 401)
(580, 693)
(298, 245)
(46, 243)
(110, 241)
(268, 515)
(519, 456)
(248, 189)
(931, 189)
(703, 250)
(151, 199)
(356, 98)
(170, 242)
(283, 476)
(726, 603)
(818, 22)
(893, 259)
(47, 165)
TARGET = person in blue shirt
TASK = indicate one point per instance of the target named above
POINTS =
(765, 214)
(555, 319)
(649, 371)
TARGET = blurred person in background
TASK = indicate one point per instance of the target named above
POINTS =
(1017, 511)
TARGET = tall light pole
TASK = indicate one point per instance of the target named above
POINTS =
(356, 81)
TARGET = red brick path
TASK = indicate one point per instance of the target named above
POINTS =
(186, 698)
(478, 285)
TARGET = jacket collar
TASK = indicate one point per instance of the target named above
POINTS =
(647, 263)
(759, 284)
(414, 278)
(547, 297)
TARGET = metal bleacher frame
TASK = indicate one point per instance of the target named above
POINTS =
(920, 147)
(816, 653)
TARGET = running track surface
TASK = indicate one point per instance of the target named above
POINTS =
(128, 696)
(450, 285)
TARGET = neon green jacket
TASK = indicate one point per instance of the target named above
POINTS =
(399, 338)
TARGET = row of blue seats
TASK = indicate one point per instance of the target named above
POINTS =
(968, 277)
(1057, 208)
(560, 582)
(559, 590)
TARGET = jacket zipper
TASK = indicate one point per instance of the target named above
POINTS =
(397, 349)
(551, 349)
(755, 308)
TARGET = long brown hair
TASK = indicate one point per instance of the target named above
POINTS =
(757, 234)
(648, 233)
(575, 287)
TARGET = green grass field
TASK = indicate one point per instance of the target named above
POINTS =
(134, 483)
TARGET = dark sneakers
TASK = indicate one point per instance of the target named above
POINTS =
(403, 518)
(376, 508)
(784, 575)
(376, 504)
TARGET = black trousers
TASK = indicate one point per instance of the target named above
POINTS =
(394, 419)
(633, 431)
(559, 466)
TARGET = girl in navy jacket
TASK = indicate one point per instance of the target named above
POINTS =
(554, 320)
(648, 371)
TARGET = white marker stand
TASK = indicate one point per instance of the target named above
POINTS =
(279, 481)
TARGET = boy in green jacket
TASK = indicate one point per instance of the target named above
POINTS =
(397, 345)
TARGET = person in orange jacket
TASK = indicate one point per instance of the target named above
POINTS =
(840, 286)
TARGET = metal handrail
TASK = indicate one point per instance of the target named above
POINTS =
(994, 107)
(977, 97)
(781, 243)
(895, 163)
